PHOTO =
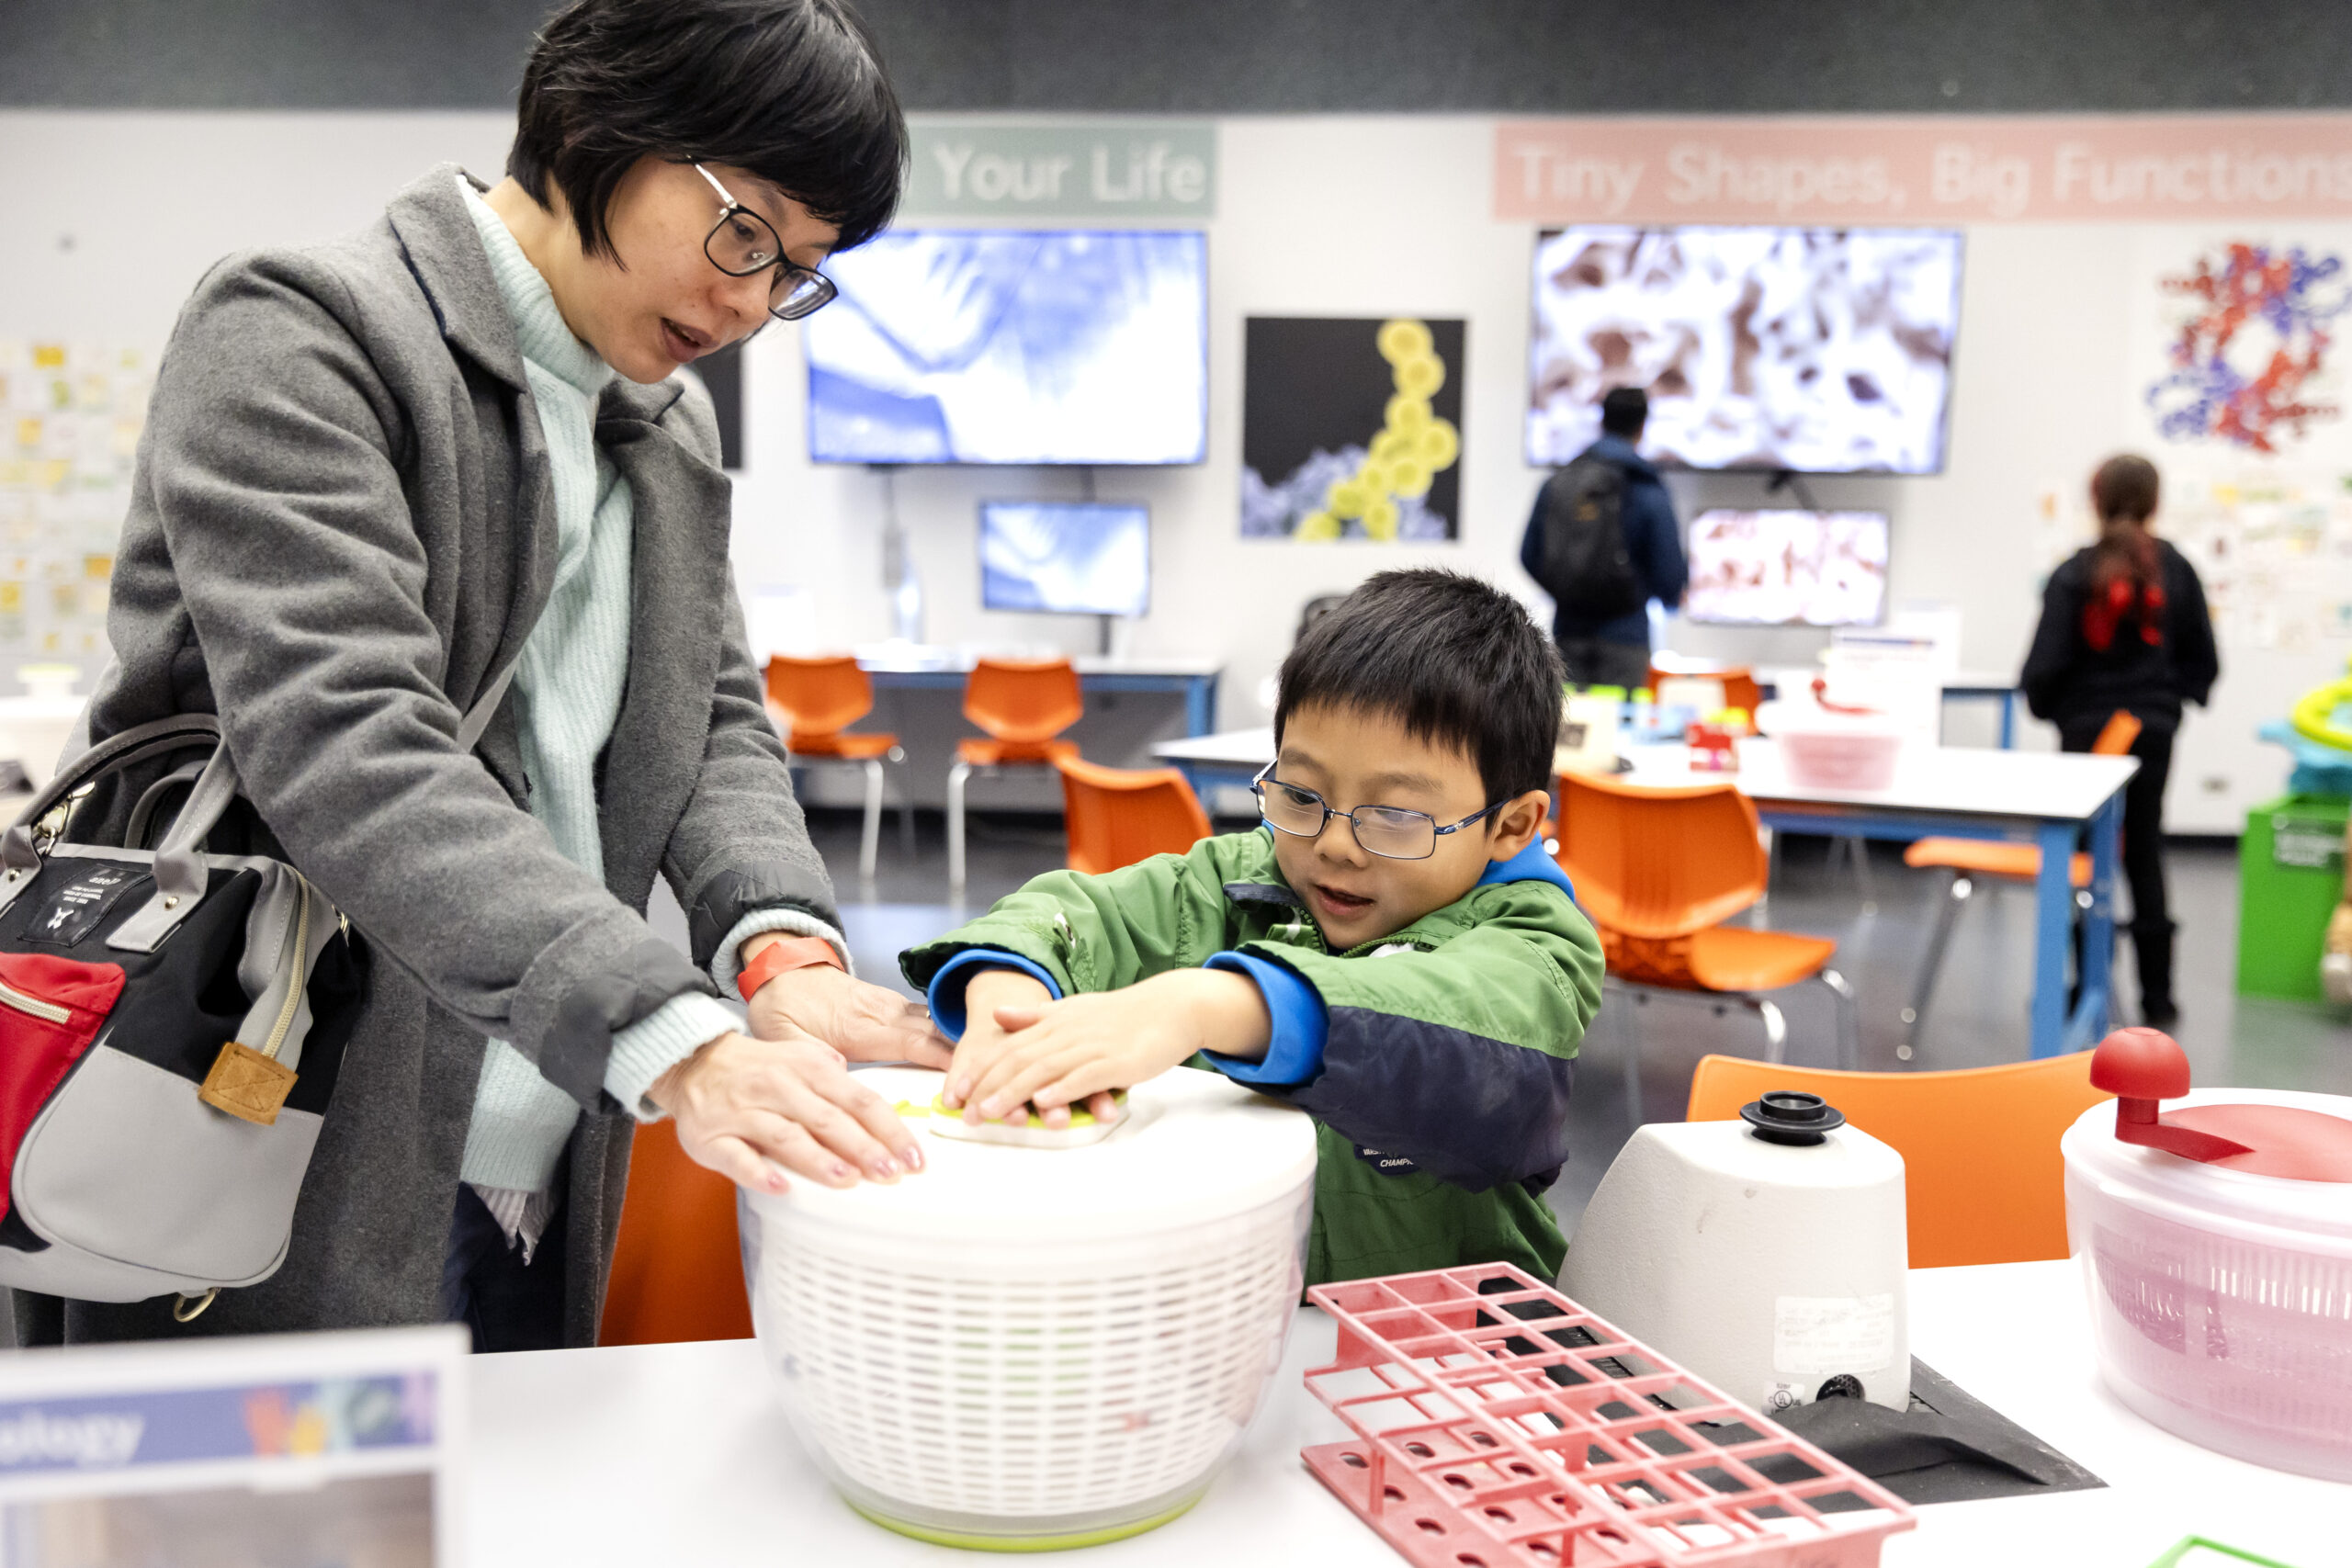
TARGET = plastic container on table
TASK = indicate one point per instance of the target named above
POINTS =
(1497, 1422)
(1030, 1347)
(1822, 748)
(2220, 1298)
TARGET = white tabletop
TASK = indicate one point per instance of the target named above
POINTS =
(1967, 781)
(1959, 682)
(679, 1453)
(1233, 748)
(1960, 781)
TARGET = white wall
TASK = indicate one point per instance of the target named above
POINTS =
(1316, 216)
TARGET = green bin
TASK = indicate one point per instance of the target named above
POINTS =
(2290, 874)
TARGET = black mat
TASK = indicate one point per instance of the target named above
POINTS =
(1950, 1447)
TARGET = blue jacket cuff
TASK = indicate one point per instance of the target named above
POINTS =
(1295, 1053)
(946, 993)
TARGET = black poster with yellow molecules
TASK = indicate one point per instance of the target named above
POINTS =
(1352, 428)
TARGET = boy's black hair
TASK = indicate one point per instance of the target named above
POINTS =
(1458, 661)
(1625, 411)
(793, 90)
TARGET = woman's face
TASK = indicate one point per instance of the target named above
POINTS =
(662, 303)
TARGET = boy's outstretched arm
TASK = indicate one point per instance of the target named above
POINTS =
(1457, 1057)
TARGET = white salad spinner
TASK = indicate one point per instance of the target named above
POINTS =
(1025, 1348)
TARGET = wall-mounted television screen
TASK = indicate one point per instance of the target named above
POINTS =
(1003, 345)
(1819, 351)
(1068, 558)
(1788, 568)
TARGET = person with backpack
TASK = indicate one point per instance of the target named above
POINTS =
(2124, 625)
(1603, 542)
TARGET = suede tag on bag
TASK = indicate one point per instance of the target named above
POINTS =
(247, 1085)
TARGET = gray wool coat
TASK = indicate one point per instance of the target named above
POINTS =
(342, 529)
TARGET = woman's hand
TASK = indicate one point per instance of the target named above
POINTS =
(864, 1022)
(740, 1103)
(1055, 1052)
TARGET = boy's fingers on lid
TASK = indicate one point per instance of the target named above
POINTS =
(1103, 1106)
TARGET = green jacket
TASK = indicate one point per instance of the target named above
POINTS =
(1436, 1061)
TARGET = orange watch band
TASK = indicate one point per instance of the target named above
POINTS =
(792, 953)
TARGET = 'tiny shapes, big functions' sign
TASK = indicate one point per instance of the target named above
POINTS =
(1108, 170)
(1924, 170)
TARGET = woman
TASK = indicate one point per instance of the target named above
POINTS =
(2124, 625)
(377, 472)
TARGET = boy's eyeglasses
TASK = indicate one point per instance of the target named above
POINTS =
(1388, 831)
(743, 244)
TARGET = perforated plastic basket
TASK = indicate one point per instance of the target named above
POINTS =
(1498, 1424)
(1025, 1348)
(2221, 1301)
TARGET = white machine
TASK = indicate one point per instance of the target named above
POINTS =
(1768, 1255)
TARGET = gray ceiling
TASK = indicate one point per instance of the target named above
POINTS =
(1264, 56)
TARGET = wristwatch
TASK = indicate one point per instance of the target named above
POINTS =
(792, 953)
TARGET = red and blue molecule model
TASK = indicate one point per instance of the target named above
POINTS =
(2240, 364)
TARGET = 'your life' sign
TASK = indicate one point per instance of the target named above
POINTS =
(1106, 170)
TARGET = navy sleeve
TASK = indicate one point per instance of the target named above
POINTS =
(1530, 547)
(1664, 568)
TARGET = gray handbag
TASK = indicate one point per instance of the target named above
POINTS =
(171, 1023)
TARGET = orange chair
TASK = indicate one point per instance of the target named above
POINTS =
(1968, 859)
(677, 1268)
(1119, 816)
(819, 698)
(1983, 1180)
(1658, 870)
(1023, 704)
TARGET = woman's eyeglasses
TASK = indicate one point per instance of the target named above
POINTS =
(1385, 830)
(743, 244)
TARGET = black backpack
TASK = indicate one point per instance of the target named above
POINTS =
(1586, 566)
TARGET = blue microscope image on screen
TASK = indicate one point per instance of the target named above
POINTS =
(1073, 559)
(1011, 346)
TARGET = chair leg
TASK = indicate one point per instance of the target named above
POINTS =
(1629, 1030)
(1914, 1017)
(1776, 1030)
(1858, 850)
(1849, 1019)
(906, 804)
(956, 777)
(870, 842)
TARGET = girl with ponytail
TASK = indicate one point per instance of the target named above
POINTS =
(2124, 625)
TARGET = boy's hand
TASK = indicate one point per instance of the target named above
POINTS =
(1056, 1053)
(989, 993)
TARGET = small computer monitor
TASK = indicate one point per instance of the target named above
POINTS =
(1066, 558)
(1786, 568)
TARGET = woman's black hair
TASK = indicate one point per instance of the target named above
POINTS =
(793, 90)
(1457, 661)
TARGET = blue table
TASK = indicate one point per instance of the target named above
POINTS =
(1195, 680)
(2049, 798)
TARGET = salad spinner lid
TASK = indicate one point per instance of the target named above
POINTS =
(1193, 1146)
(2141, 1066)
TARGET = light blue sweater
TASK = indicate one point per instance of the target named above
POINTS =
(569, 685)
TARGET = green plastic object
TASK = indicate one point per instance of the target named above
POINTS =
(2290, 876)
(1076, 1539)
(2192, 1551)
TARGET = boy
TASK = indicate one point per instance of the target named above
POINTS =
(1416, 976)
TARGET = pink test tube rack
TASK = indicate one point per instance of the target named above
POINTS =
(1499, 1425)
